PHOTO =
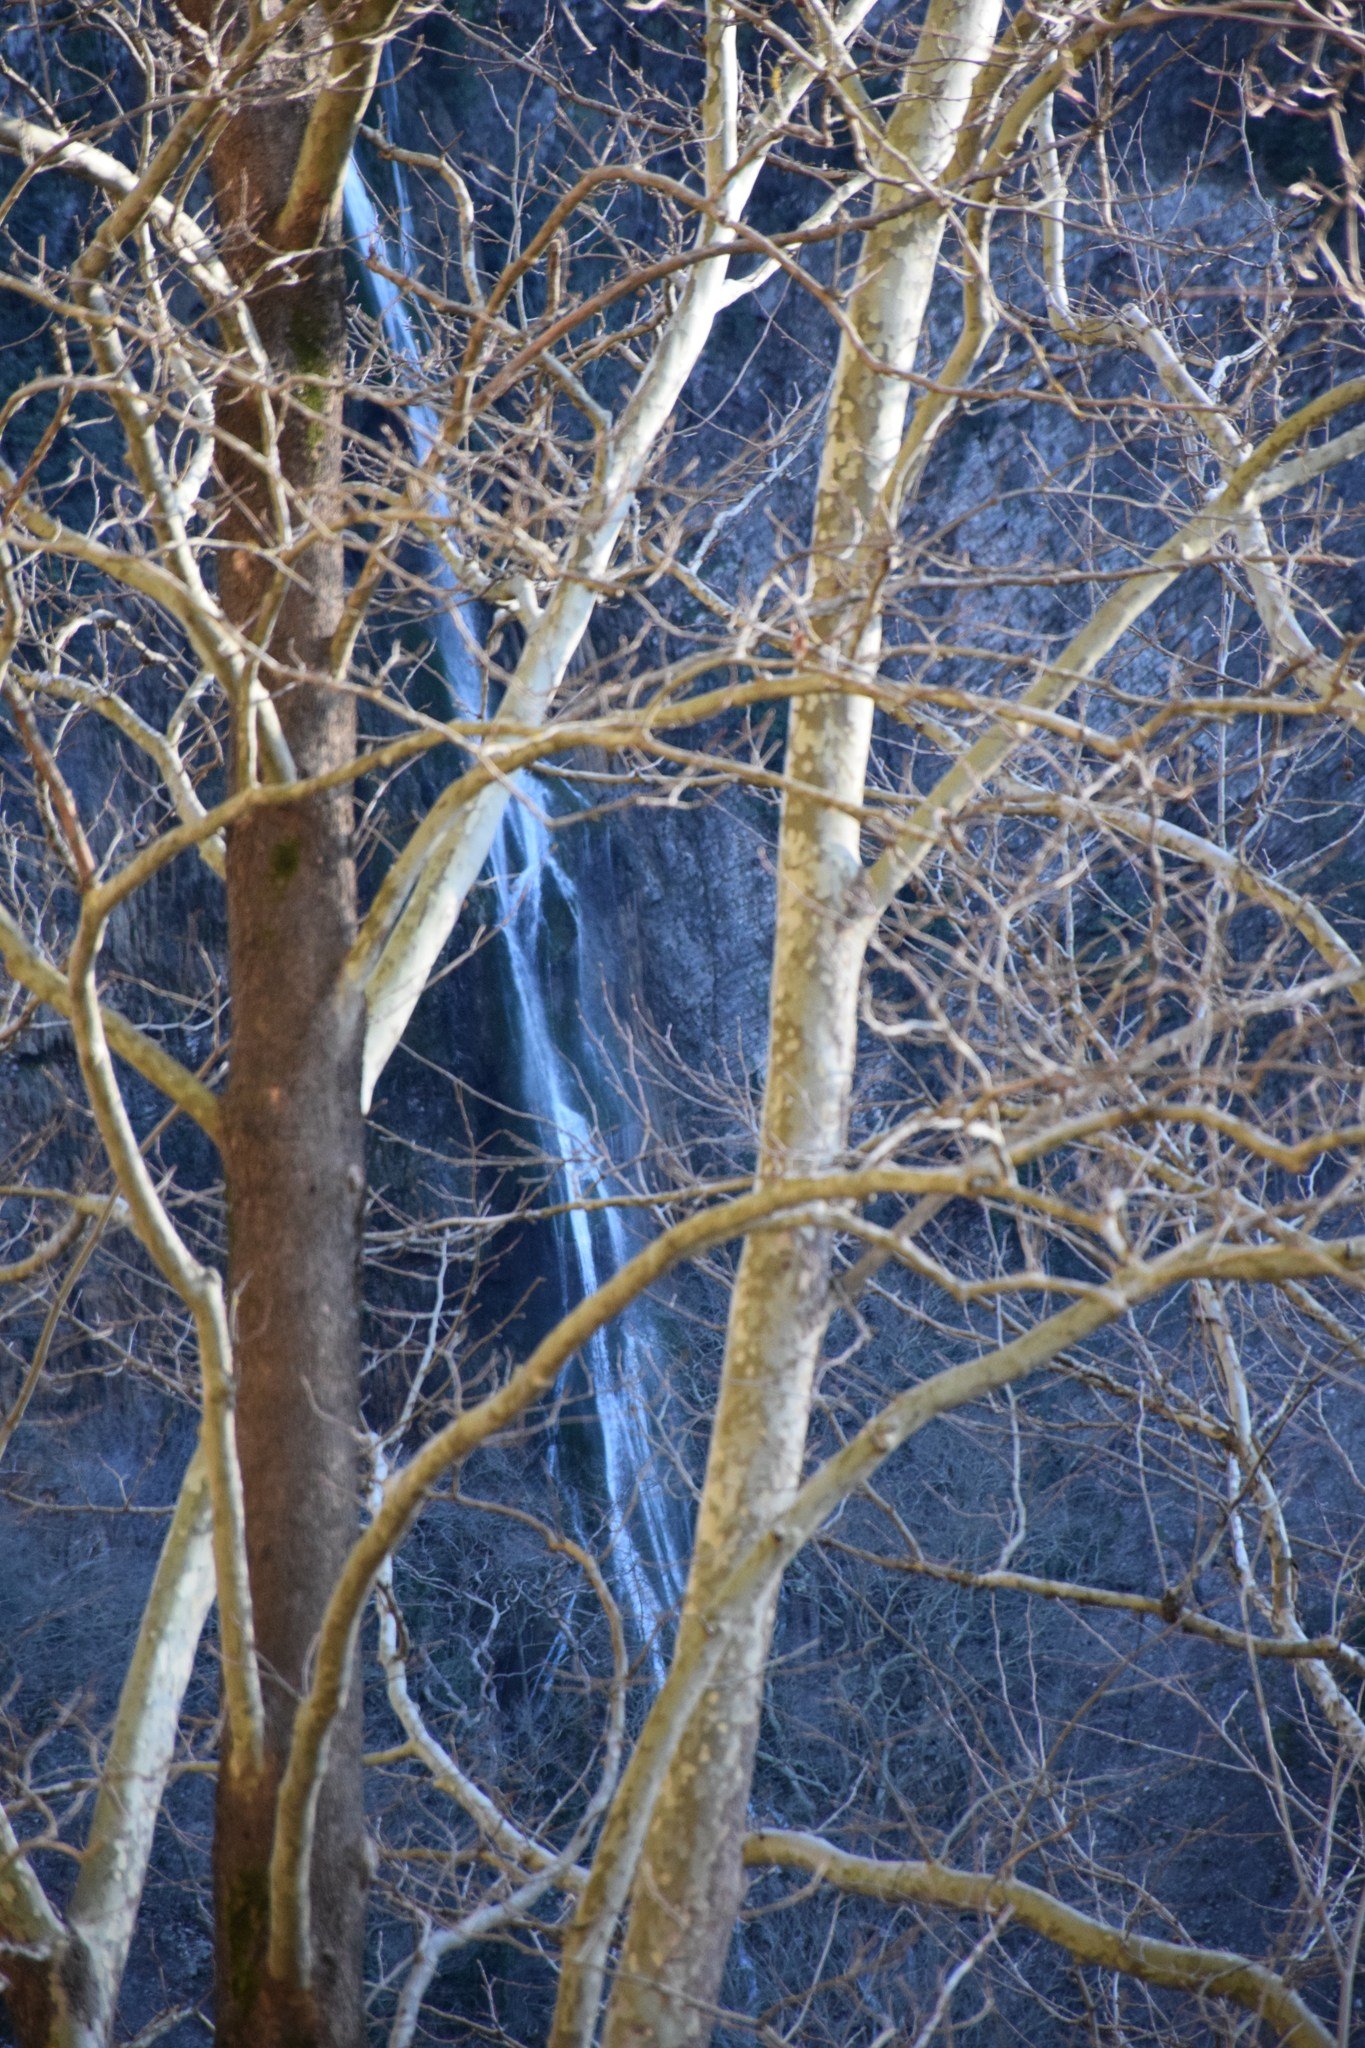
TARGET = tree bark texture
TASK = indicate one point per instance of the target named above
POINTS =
(293, 1130)
(687, 1889)
(29, 2004)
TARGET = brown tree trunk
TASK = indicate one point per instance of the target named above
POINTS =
(29, 2004)
(293, 1129)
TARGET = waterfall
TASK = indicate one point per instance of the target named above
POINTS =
(650, 1543)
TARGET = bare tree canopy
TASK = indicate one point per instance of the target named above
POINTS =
(680, 1057)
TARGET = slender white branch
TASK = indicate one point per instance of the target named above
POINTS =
(104, 1904)
(1131, 327)
(141, 201)
(488, 1817)
(1249, 1472)
(201, 1290)
(549, 1868)
(1256, 480)
(1297, 910)
(27, 1919)
(156, 745)
(1178, 1966)
(142, 1054)
(422, 895)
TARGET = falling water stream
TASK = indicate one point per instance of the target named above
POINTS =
(649, 1538)
(650, 1529)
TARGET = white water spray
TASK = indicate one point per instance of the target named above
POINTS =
(649, 1545)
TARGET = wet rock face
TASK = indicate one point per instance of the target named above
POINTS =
(690, 896)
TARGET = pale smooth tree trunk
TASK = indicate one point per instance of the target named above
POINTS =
(687, 1889)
